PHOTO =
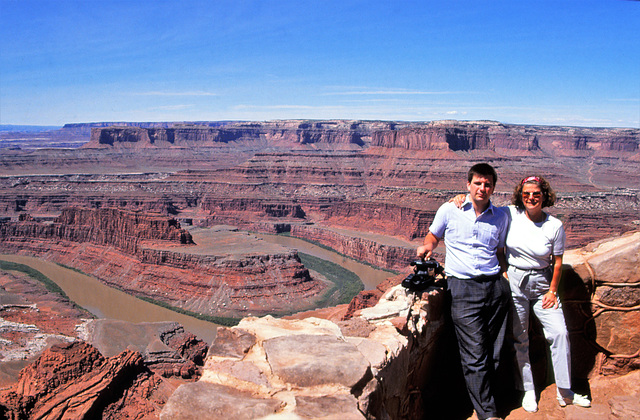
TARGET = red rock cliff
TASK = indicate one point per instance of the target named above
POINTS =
(120, 228)
(437, 135)
(300, 132)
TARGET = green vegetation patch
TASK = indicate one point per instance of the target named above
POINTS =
(49, 284)
(346, 284)
(328, 248)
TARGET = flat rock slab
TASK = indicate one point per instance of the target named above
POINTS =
(231, 343)
(203, 400)
(309, 360)
(112, 336)
(625, 406)
(239, 370)
(341, 407)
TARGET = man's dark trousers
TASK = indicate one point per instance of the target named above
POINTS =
(479, 308)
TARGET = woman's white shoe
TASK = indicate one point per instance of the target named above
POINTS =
(565, 395)
(581, 400)
(529, 402)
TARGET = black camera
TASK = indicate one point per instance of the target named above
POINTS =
(424, 275)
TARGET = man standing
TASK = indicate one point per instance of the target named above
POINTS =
(474, 237)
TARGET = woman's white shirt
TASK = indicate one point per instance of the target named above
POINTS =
(530, 245)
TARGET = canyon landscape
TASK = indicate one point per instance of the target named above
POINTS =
(171, 212)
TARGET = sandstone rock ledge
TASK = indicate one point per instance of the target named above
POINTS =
(607, 320)
(371, 366)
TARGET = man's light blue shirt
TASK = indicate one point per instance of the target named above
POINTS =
(471, 242)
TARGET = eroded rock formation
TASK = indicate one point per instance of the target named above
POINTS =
(76, 381)
(370, 176)
(32, 318)
(281, 368)
(151, 256)
(124, 230)
(438, 135)
(388, 355)
(301, 132)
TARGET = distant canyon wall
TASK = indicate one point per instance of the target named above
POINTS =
(461, 136)
(300, 132)
(382, 218)
(378, 177)
(438, 135)
(378, 254)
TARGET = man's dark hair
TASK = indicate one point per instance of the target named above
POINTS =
(482, 169)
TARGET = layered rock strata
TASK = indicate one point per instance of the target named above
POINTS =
(391, 358)
(167, 349)
(289, 369)
(76, 381)
(125, 230)
(437, 135)
(386, 177)
(33, 318)
(104, 243)
(379, 252)
(184, 135)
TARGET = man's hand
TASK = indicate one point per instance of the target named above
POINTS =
(424, 252)
(426, 249)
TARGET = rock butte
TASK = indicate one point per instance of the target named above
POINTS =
(369, 189)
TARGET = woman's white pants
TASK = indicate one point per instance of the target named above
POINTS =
(527, 289)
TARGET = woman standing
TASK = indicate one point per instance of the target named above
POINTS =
(535, 246)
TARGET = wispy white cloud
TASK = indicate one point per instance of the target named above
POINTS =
(171, 107)
(186, 93)
(288, 107)
(396, 92)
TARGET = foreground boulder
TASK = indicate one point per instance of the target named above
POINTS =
(602, 304)
(76, 381)
(380, 362)
(315, 368)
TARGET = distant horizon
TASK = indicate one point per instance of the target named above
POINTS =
(550, 62)
(43, 127)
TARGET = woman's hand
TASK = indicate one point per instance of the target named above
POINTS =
(458, 200)
(550, 300)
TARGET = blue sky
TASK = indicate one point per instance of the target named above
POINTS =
(551, 62)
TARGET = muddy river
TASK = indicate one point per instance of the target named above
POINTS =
(106, 302)
(369, 275)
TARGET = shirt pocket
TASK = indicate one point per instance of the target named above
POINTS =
(488, 234)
